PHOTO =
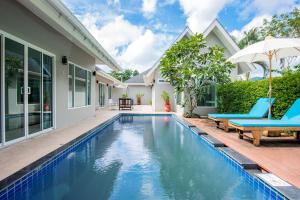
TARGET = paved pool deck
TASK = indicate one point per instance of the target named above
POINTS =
(281, 158)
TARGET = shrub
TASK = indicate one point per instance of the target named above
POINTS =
(240, 96)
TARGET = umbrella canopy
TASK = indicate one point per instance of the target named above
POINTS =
(260, 51)
(267, 50)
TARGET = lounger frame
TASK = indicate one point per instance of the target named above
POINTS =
(257, 132)
(225, 122)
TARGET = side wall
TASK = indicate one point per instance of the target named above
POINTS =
(133, 90)
(18, 21)
(159, 87)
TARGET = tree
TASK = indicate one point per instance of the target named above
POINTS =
(124, 75)
(283, 25)
(252, 36)
(189, 66)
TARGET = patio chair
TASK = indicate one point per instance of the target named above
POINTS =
(112, 104)
(258, 111)
(289, 122)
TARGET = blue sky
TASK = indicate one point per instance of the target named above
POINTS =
(136, 33)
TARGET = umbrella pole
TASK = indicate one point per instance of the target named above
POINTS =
(270, 86)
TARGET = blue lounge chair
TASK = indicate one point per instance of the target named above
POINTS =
(258, 111)
(289, 122)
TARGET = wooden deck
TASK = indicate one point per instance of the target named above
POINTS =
(281, 157)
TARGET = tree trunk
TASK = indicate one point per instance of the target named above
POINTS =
(190, 97)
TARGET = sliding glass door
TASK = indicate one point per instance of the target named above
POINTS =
(14, 90)
(101, 95)
(47, 92)
(28, 90)
(34, 91)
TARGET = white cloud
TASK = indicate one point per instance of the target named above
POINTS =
(145, 50)
(263, 7)
(118, 32)
(255, 22)
(131, 45)
(200, 13)
(149, 7)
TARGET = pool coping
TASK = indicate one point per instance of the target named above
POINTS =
(11, 182)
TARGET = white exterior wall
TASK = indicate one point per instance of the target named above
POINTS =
(133, 90)
(18, 21)
(158, 89)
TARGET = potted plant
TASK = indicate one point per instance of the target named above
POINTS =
(139, 98)
(125, 95)
(166, 97)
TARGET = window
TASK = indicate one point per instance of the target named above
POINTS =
(109, 92)
(101, 95)
(79, 86)
(208, 96)
(71, 86)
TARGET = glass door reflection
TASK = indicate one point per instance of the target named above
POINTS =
(34, 91)
(47, 91)
(14, 90)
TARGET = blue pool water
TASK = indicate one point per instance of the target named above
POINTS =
(142, 157)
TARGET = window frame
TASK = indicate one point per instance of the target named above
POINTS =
(27, 45)
(87, 104)
(215, 104)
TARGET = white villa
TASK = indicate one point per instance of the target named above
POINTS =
(151, 84)
(48, 69)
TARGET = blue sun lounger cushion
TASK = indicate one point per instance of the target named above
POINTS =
(290, 119)
(259, 110)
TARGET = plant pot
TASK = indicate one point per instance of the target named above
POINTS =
(167, 107)
(139, 101)
(46, 107)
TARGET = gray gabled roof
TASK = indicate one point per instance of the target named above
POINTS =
(138, 78)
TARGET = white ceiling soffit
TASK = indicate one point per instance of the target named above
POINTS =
(58, 16)
(111, 78)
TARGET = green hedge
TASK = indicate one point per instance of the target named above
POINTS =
(239, 96)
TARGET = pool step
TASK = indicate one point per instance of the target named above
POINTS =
(198, 131)
(245, 162)
(213, 141)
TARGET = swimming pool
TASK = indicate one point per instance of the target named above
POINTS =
(138, 157)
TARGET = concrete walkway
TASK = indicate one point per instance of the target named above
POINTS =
(279, 158)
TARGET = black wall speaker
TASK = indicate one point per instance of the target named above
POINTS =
(64, 60)
(94, 73)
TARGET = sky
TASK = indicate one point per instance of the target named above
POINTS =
(137, 32)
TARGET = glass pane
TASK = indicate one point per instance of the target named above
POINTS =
(71, 86)
(14, 87)
(47, 92)
(80, 87)
(101, 95)
(109, 92)
(207, 96)
(89, 88)
(34, 91)
(1, 96)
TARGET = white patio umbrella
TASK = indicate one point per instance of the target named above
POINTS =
(267, 50)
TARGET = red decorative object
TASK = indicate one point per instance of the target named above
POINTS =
(167, 107)
(46, 107)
